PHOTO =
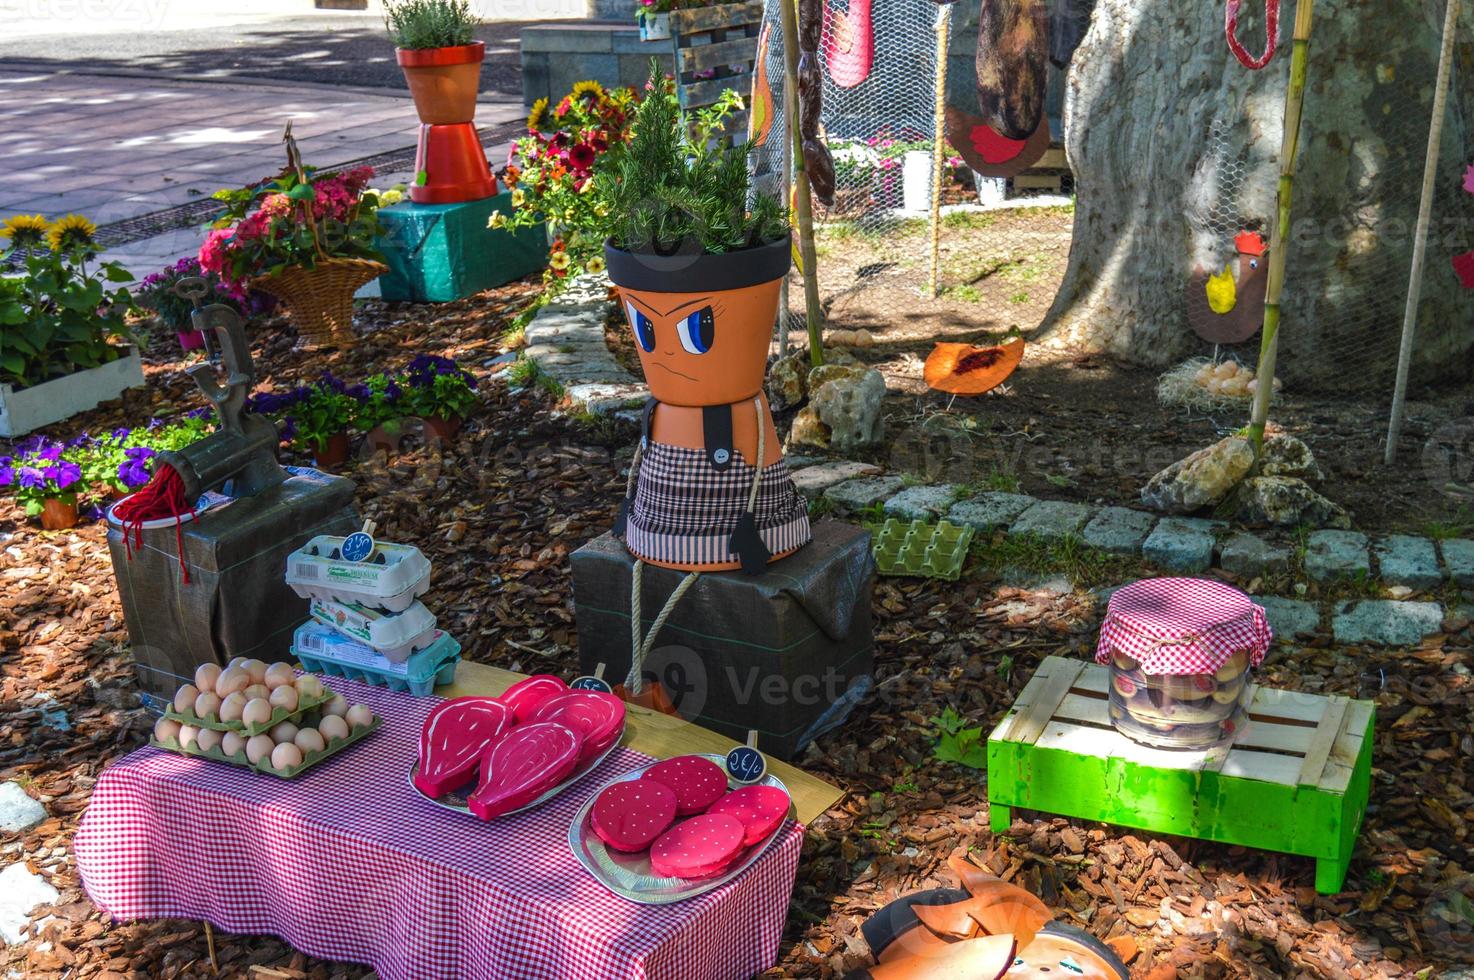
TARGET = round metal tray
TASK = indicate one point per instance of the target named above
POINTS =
(628, 874)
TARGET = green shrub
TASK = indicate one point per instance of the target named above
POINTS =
(419, 24)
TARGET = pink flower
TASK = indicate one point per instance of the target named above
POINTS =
(1469, 179)
(581, 157)
(1464, 269)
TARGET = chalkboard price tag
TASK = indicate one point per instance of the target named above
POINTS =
(746, 765)
(590, 683)
(357, 546)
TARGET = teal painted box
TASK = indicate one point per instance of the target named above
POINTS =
(438, 253)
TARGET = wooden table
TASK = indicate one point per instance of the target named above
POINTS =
(660, 736)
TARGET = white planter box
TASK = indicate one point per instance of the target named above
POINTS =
(30, 408)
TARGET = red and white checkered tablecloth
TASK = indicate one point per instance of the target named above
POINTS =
(347, 862)
(1182, 625)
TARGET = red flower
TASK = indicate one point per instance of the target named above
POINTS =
(1464, 268)
(581, 157)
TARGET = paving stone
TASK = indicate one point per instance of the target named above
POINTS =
(1180, 544)
(1403, 559)
(1052, 520)
(605, 398)
(990, 511)
(798, 461)
(1385, 622)
(855, 495)
(1331, 555)
(1119, 530)
(924, 503)
(1289, 618)
(1248, 556)
(18, 811)
(1458, 559)
(20, 891)
(814, 480)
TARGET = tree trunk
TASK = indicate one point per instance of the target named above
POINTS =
(1174, 145)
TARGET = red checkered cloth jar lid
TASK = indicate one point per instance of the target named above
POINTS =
(1182, 626)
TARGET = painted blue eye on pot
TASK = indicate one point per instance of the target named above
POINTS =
(644, 329)
(697, 330)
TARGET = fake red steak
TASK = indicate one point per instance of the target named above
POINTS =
(697, 848)
(760, 809)
(629, 815)
(697, 782)
(523, 765)
(598, 718)
(524, 697)
(453, 739)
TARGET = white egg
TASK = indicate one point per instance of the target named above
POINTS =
(256, 669)
(1215, 386)
(187, 735)
(1204, 373)
(283, 731)
(286, 756)
(333, 727)
(231, 707)
(256, 712)
(233, 744)
(207, 705)
(1225, 370)
(310, 740)
(207, 739)
(206, 675)
(166, 730)
(257, 691)
(278, 675)
(231, 679)
(309, 686)
(184, 698)
(235, 662)
(1233, 386)
(337, 706)
(1252, 386)
(359, 715)
(258, 748)
(284, 697)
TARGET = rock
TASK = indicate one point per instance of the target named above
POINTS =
(990, 511)
(1180, 545)
(1331, 555)
(807, 430)
(1249, 556)
(1403, 559)
(1384, 622)
(20, 891)
(1119, 530)
(1458, 560)
(844, 409)
(1201, 480)
(1052, 520)
(814, 480)
(1283, 501)
(605, 398)
(788, 381)
(1288, 456)
(923, 503)
(1289, 618)
(18, 811)
(856, 495)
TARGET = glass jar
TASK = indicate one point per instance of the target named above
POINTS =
(1179, 711)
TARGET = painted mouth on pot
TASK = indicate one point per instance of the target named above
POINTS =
(673, 370)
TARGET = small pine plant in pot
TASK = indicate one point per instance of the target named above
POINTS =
(698, 258)
(436, 46)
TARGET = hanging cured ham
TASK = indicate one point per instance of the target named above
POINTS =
(1012, 63)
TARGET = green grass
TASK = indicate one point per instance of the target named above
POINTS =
(969, 220)
(1460, 525)
(966, 293)
(1084, 566)
(1005, 481)
(525, 373)
(820, 506)
(1020, 297)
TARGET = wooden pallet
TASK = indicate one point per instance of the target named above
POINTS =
(1295, 779)
(721, 38)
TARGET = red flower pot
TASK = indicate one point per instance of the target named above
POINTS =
(443, 81)
(443, 428)
(332, 452)
(58, 515)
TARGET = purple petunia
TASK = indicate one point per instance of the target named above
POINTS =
(134, 471)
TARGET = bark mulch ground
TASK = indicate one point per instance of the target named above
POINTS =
(499, 511)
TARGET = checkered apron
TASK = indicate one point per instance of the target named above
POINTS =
(1182, 626)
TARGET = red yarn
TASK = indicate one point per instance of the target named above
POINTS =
(161, 499)
(1271, 30)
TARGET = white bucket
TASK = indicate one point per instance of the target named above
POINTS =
(916, 175)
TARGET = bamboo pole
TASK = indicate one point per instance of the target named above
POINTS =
(1420, 237)
(944, 23)
(804, 203)
(1289, 151)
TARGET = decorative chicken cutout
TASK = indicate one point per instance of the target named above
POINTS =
(990, 153)
(760, 120)
(991, 931)
(1226, 309)
(849, 43)
(962, 369)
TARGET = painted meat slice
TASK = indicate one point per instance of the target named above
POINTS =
(597, 717)
(697, 782)
(523, 765)
(629, 815)
(525, 697)
(454, 737)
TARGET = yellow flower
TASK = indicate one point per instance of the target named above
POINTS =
(24, 230)
(519, 197)
(568, 214)
(497, 220)
(586, 186)
(536, 117)
(595, 265)
(587, 88)
(71, 233)
(391, 196)
(559, 261)
(601, 210)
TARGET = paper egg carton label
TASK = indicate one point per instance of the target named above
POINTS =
(323, 641)
(395, 635)
(403, 575)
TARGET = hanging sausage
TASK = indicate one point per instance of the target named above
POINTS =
(818, 164)
(1012, 62)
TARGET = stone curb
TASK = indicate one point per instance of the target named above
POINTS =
(566, 340)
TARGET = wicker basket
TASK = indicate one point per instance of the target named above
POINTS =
(321, 298)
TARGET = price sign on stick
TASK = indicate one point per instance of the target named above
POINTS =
(360, 544)
(745, 764)
(596, 682)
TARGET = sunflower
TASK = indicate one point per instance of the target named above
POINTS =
(589, 87)
(71, 233)
(536, 117)
(559, 261)
(594, 265)
(24, 230)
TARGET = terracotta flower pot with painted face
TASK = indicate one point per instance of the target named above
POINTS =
(443, 81)
(702, 323)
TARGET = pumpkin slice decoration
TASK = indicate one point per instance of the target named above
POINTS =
(962, 369)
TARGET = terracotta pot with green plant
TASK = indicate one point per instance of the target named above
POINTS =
(319, 419)
(439, 393)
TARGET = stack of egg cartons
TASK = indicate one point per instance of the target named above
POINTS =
(368, 622)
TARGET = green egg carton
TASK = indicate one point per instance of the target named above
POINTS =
(919, 549)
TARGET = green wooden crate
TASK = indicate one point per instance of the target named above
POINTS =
(439, 253)
(1295, 779)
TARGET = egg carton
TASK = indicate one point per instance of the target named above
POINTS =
(324, 650)
(391, 579)
(278, 715)
(395, 636)
(309, 759)
(919, 549)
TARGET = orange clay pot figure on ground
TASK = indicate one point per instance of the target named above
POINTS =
(991, 931)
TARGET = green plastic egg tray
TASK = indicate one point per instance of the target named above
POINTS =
(919, 549)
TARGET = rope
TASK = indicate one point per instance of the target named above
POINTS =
(1271, 30)
(161, 499)
(757, 476)
(640, 648)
